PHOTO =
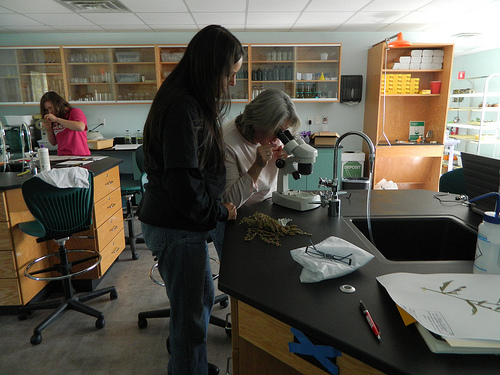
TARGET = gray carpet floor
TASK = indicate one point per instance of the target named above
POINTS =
(72, 345)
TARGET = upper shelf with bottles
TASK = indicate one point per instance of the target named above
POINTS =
(308, 72)
(133, 73)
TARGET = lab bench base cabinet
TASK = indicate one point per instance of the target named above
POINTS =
(17, 249)
(260, 347)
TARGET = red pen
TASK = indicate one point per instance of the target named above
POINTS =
(369, 319)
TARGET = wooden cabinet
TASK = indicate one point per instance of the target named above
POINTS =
(414, 165)
(168, 56)
(17, 249)
(132, 74)
(256, 351)
(107, 231)
(27, 73)
(306, 72)
(110, 74)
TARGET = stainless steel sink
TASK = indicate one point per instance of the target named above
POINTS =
(12, 166)
(422, 238)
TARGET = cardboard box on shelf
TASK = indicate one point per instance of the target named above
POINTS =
(324, 138)
(99, 144)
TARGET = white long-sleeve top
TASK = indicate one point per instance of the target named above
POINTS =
(240, 155)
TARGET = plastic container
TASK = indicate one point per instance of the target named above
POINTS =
(487, 259)
(44, 158)
(128, 137)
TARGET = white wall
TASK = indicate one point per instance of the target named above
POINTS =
(341, 117)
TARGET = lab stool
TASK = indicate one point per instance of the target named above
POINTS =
(222, 299)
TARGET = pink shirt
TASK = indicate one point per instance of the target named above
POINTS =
(71, 142)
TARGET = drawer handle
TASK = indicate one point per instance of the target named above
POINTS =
(111, 206)
(113, 229)
(117, 249)
(110, 182)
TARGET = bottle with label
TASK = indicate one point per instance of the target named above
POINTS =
(487, 259)
(128, 137)
(43, 158)
(138, 137)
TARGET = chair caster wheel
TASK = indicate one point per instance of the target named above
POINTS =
(100, 323)
(224, 303)
(142, 323)
(168, 345)
(24, 315)
(113, 295)
(36, 339)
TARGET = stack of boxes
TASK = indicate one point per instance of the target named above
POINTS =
(427, 59)
(399, 84)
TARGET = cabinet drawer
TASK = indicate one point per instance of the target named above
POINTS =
(112, 251)
(107, 206)
(105, 183)
(5, 236)
(7, 265)
(10, 294)
(107, 231)
(3, 208)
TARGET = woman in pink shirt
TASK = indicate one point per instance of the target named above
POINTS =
(66, 126)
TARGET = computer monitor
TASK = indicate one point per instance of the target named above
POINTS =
(482, 175)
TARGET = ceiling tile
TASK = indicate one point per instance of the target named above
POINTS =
(324, 17)
(16, 20)
(375, 17)
(166, 19)
(222, 6)
(38, 6)
(237, 18)
(395, 5)
(336, 5)
(68, 19)
(113, 18)
(155, 5)
(276, 6)
(270, 19)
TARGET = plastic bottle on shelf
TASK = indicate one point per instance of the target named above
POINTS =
(138, 137)
(128, 137)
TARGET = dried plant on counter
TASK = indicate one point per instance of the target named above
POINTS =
(268, 229)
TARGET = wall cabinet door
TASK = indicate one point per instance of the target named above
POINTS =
(27, 73)
(111, 74)
(308, 72)
(170, 55)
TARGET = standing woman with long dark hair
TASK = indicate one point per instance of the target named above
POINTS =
(184, 162)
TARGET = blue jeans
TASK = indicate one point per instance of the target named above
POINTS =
(184, 265)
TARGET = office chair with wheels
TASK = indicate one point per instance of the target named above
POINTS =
(222, 299)
(129, 190)
(60, 213)
(453, 182)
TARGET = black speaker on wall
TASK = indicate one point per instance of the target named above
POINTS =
(351, 89)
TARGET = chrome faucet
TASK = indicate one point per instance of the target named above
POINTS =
(26, 133)
(3, 148)
(331, 199)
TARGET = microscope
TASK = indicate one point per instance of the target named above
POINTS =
(300, 162)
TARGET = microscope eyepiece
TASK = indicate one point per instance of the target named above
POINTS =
(283, 137)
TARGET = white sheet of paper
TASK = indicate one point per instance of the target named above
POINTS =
(460, 306)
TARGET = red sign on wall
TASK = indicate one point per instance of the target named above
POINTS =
(461, 75)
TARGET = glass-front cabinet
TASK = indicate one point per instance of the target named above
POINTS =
(308, 72)
(133, 73)
(110, 74)
(27, 73)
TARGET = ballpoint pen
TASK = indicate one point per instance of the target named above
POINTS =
(369, 319)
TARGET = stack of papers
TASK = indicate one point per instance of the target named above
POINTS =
(455, 313)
